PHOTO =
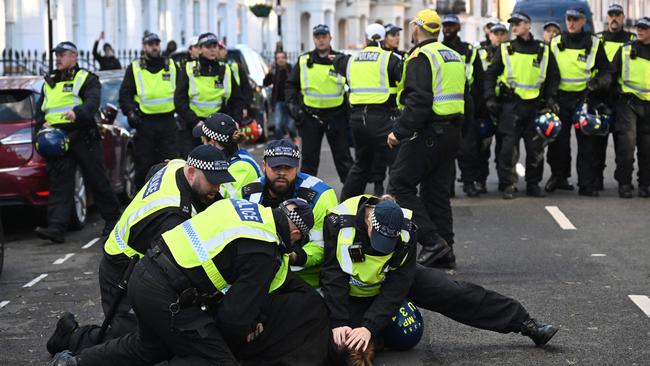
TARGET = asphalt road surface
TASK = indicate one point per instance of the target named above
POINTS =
(582, 264)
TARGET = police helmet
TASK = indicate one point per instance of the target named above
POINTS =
(406, 329)
(51, 143)
(548, 125)
(587, 120)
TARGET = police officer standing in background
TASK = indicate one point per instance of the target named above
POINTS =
(147, 99)
(578, 54)
(372, 75)
(204, 87)
(316, 99)
(429, 132)
(551, 29)
(613, 38)
(631, 67)
(468, 158)
(240, 76)
(70, 99)
(523, 68)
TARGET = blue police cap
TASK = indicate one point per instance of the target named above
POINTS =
(519, 17)
(575, 13)
(643, 23)
(282, 152)
(218, 126)
(321, 29)
(450, 19)
(212, 162)
(387, 220)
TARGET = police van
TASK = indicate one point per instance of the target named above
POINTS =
(542, 11)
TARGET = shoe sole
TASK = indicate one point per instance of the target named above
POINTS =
(431, 261)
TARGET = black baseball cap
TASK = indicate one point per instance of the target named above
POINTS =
(212, 162)
(519, 17)
(551, 24)
(65, 46)
(282, 152)
(208, 38)
(575, 13)
(300, 214)
(392, 28)
(498, 27)
(450, 19)
(150, 37)
(615, 9)
(387, 220)
(321, 29)
(643, 23)
(218, 127)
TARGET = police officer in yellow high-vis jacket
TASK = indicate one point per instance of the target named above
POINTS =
(204, 87)
(428, 132)
(372, 75)
(147, 99)
(217, 288)
(525, 72)
(315, 95)
(370, 269)
(631, 67)
(69, 101)
(175, 193)
(583, 66)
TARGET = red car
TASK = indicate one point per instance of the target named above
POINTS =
(23, 179)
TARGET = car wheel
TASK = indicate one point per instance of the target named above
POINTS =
(128, 178)
(79, 202)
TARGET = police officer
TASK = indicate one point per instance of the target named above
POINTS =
(175, 193)
(613, 38)
(370, 269)
(147, 99)
(551, 29)
(429, 132)
(631, 66)
(498, 34)
(204, 87)
(487, 30)
(282, 181)
(316, 100)
(221, 131)
(211, 291)
(392, 39)
(373, 75)
(240, 76)
(579, 55)
(70, 99)
(525, 72)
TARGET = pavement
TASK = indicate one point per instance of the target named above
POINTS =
(580, 263)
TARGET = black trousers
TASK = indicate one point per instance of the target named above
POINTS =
(296, 331)
(86, 153)
(559, 151)
(335, 126)
(468, 157)
(587, 162)
(517, 121)
(632, 131)
(124, 320)
(155, 141)
(428, 161)
(370, 129)
(185, 142)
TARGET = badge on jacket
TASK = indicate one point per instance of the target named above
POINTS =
(166, 77)
(67, 88)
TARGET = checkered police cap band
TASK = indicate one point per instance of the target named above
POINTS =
(217, 165)
(382, 229)
(282, 151)
(296, 219)
(215, 135)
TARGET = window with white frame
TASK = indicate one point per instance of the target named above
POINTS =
(10, 22)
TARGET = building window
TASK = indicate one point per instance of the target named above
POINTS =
(121, 24)
(78, 10)
(196, 17)
(145, 15)
(10, 22)
(162, 17)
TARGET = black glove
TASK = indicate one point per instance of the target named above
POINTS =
(296, 112)
(134, 119)
(492, 106)
(593, 85)
(552, 105)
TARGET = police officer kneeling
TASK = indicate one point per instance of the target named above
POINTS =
(217, 288)
(370, 268)
(176, 192)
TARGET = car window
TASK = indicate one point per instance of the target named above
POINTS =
(15, 105)
(110, 92)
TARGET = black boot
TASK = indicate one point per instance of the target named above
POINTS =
(644, 191)
(600, 183)
(539, 333)
(588, 191)
(509, 193)
(65, 358)
(470, 190)
(431, 253)
(60, 339)
(534, 190)
(50, 233)
(446, 262)
(558, 183)
(481, 187)
(625, 191)
(379, 188)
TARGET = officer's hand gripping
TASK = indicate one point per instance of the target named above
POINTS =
(392, 140)
(358, 339)
(340, 335)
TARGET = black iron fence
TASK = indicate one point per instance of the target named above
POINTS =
(33, 62)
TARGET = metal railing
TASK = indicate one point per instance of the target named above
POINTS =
(33, 62)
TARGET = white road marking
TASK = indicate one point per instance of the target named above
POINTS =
(560, 218)
(521, 171)
(63, 259)
(4, 303)
(642, 301)
(35, 280)
(90, 243)
(599, 255)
